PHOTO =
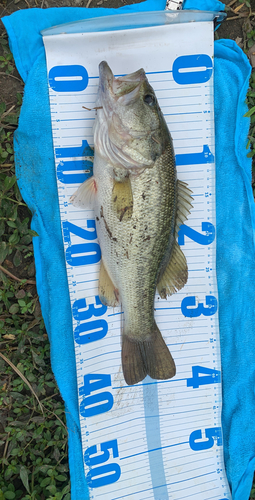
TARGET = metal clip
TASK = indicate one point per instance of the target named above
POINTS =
(174, 4)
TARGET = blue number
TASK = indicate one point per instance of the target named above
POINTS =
(211, 377)
(104, 457)
(74, 151)
(65, 72)
(91, 461)
(94, 382)
(202, 239)
(95, 482)
(208, 443)
(85, 167)
(88, 409)
(183, 64)
(210, 301)
(97, 330)
(195, 158)
(68, 228)
(90, 311)
(91, 250)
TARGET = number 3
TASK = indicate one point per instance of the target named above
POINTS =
(194, 312)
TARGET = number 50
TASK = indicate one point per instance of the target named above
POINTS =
(109, 473)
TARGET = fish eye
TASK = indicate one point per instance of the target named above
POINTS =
(149, 99)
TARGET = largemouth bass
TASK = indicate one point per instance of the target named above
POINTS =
(139, 205)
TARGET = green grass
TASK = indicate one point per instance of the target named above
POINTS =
(33, 437)
(249, 41)
(33, 434)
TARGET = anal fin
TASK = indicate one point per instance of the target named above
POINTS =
(108, 294)
(175, 275)
(122, 198)
(85, 195)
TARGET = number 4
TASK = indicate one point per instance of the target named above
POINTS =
(210, 377)
(94, 382)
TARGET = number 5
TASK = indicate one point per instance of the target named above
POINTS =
(196, 436)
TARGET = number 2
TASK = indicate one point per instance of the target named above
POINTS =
(202, 239)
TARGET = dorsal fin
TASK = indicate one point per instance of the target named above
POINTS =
(176, 272)
(175, 275)
(184, 204)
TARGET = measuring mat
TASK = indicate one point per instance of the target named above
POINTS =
(158, 439)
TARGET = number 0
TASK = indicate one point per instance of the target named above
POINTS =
(192, 69)
(71, 78)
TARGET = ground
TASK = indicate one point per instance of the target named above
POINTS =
(33, 437)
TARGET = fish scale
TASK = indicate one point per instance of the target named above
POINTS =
(148, 229)
(139, 206)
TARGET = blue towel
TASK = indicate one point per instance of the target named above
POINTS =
(235, 231)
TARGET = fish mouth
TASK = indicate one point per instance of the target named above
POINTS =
(112, 135)
(126, 86)
(106, 77)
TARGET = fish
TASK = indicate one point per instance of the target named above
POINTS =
(139, 205)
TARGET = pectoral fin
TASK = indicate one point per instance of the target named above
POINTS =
(108, 294)
(84, 197)
(122, 198)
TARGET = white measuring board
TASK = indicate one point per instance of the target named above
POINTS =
(157, 439)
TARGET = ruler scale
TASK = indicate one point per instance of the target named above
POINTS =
(158, 439)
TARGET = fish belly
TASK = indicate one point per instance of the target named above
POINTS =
(133, 248)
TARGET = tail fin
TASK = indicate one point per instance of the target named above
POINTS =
(146, 358)
(133, 367)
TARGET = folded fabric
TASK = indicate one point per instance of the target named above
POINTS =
(213, 5)
(235, 231)
(235, 212)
